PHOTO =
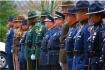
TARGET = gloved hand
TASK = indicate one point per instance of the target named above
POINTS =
(60, 63)
(33, 57)
(11, 50)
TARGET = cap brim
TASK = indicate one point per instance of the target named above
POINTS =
(62, 5)
(81, 8)
(17, 20)
(69, 13)
(95, 12)
(65, 5)
(43, 15)
(56, 17)
(32, 16)
(47, 20)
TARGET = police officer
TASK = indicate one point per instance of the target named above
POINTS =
(81, 44)
(40, 35)
(9, 41)
(17, 36)
(95, 13)
(30, 45)
(71, 20)
(54, 42)
(23, 64)
(49, 23)
(65, 28)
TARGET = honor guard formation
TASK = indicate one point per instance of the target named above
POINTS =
(73, 39)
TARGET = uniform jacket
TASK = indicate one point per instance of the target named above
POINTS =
(54, 42)
(22, 46)
(96, 40)
(39, 38)
(43, 54)
(9, 40)
(81, 42)
(30, 40)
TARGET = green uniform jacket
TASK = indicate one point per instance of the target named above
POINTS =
(30, 40)
(39, 38)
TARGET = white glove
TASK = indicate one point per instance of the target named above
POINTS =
(33, 57)
(11, 51)
(60, 63)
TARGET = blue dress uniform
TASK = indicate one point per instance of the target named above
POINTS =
(69, 46)
(44, 51)
(81, 44)
(8, 45)
(102, 59)
(53, 45)
(95, 40)
(23, 64)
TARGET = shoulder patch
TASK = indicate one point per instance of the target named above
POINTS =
(37, 29)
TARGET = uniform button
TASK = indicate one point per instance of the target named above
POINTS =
(96, 62)
(53, 54)
(102, 49)
(80, 61)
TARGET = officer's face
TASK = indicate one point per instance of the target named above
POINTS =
(70, 18)
(32, 20)
(64, 9)
(94, 18)
(48, 24)
(80, 14)
(10, 23)
(58, 21)
(8, 26)
(42, 19)
(17, 24)
(24, 27)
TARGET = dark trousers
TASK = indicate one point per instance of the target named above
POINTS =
(53, 67)
(10, 61)
(23, 65)
(103, 68)
(33, 64)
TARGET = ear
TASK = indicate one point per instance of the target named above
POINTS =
(99, 16)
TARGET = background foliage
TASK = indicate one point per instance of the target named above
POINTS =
(7, 8)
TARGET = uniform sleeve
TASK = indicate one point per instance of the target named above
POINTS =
(101, 44)
(34, 34)
(64, 32)
(12, 34)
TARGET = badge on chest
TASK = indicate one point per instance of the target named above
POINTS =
(8, 32)
(94, 35)
(46, 36)
(55, 34)
(30, 30)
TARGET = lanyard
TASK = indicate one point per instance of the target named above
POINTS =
(79, 31)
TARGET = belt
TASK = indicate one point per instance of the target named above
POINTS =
(10, 40)
(43, 50)
(69, 53)
(92, 53)
(28, 43)
(62, 46)
(22, 44)
(78, 52)
(53, 48)
(102, 59)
